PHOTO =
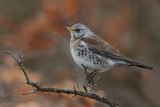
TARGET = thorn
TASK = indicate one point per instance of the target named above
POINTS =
(21, 56)
(19, 63)
(35, 90)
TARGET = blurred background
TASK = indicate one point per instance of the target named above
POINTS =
(35, 29)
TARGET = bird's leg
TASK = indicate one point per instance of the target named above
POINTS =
(90, 76)
(85, 68)
(90, 79)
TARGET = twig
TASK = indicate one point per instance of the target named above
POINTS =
(34, 91)
(39, 88)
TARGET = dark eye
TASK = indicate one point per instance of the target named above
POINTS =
(77, 30)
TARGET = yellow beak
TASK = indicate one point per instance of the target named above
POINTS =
(68, 28)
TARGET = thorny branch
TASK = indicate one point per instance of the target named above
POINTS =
(39, 88)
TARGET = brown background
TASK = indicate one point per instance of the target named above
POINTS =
(35, 28)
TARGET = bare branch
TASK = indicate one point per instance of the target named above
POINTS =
(34, 91)
(39, 88)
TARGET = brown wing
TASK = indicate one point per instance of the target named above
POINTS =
(101, 47)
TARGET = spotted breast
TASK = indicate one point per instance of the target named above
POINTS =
(82, 55)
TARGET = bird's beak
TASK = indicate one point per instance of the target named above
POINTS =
(68, 28)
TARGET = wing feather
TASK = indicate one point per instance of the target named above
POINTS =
(101, 47)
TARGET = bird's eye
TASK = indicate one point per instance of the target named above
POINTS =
(77, 30)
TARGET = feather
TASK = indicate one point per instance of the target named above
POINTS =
(99, 46)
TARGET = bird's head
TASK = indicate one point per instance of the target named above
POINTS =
(79, 31)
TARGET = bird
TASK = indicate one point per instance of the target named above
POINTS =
(91, 51)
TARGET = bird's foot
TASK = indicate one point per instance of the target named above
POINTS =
(90, 79)
(91, 82)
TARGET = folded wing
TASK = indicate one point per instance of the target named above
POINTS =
(99, 46)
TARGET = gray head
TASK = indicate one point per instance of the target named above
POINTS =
(79, 31)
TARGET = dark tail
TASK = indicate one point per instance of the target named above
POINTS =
(137, 64)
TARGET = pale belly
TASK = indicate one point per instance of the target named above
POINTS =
(91, 60)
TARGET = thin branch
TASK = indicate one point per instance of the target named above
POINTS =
(34, 91)
(39, 88)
